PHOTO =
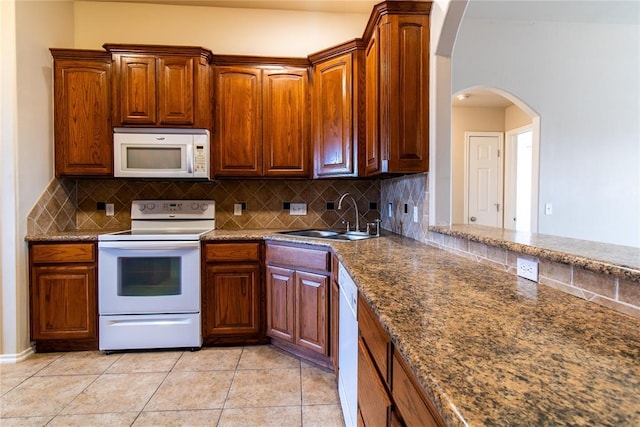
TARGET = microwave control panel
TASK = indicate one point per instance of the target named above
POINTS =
(200, 158)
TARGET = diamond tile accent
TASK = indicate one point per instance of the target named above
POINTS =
(71, 204)
(412, 190)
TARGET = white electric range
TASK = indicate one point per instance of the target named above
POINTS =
(149, 276)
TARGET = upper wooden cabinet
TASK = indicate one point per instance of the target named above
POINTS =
(261, 119)
(337, 122)
(397, 88)
(82, 110)
(161, 86)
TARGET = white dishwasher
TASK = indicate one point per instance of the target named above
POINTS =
(348, 348)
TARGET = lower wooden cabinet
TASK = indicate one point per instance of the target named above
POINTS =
(388, 392)
(233, 294)
(63, 296)
(298, 300)
(374, 402)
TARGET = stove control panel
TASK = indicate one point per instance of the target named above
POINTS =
(173, 209)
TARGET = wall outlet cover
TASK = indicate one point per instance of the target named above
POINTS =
(237, 209)
(298, 209)
(415, 214)
(527, 269)
(109, 209)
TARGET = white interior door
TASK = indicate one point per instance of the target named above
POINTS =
(484, 178)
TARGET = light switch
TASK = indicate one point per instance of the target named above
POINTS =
(548, 209)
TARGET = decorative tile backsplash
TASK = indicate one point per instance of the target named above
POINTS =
(410, 191)
(264, 202)
(55, 210)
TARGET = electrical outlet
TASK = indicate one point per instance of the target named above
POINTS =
(415, 214)
(109, 209)
(298, 209)
(527, 269)
(390, 210)
(237, 209)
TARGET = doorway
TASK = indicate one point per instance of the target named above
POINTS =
(518, 189)
(504, 195)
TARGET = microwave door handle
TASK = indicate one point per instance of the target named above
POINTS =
(190, 158)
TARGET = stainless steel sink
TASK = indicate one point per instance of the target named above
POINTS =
(328, 234)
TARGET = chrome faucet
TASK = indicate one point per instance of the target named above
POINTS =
(355, 205)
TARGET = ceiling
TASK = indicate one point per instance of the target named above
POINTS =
(481, 98)
(338, 6)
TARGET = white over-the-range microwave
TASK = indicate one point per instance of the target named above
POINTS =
(161, 153)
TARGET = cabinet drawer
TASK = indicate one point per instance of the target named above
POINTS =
(376, 339)
(299, 257)
(62, 252)
(224, 252)
(415, 409)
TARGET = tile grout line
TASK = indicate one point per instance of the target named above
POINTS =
(226, 397)
(81, 391)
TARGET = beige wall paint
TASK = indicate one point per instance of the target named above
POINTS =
(515, 118)
(38, 26)
(223, 30)
(466, 119)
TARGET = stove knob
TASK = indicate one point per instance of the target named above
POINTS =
(194, 206)
(141, 206)
(151, 206)
(204, 206)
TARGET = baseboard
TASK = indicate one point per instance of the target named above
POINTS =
(15, 358)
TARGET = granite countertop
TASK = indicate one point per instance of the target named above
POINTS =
(622, 261)
(489, 347)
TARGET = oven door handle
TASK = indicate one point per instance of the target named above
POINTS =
(149, 245)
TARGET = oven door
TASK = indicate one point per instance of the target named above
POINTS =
(144, 277)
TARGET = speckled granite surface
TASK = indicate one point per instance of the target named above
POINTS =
(489, 348)
(492, 349)
(622, 261)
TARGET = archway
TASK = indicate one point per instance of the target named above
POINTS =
(503, 191)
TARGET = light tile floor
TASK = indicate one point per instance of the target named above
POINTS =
(222, 386)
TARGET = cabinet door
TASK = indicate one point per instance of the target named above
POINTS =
(137, 89)
(372, 160)
(238, 122)
(311, 312)
(414, 407)
(231, 304)
(405, 57)
(333, 100)
(280, 303)
(82, 105)
(374, 403)
(175, 90)
(285, 123)
(63, 302)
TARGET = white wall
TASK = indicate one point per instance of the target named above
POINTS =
(583, 81)
(223, 30)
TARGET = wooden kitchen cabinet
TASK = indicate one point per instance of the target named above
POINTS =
(63, 296)
(337, 97)
(334, 313)
(397, 89)
(261, 119)
(161, 86)
(388, 392)
(298, 300)
(82, 110)
(233, 294)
